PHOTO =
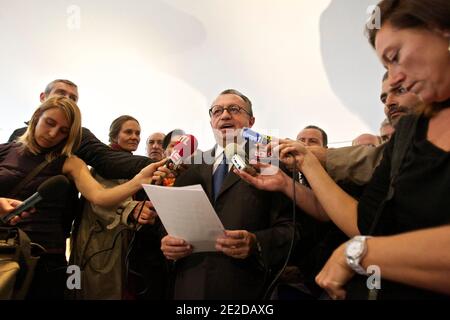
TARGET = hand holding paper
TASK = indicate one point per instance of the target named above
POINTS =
(174, 248)
(187, 214)
(236, 243)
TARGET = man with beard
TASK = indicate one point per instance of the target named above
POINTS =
(357, 163)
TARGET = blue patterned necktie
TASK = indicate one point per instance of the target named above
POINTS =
(219, 176)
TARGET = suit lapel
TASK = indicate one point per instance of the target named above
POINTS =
(230, 180)
(206, 172)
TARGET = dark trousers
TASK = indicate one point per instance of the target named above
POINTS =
(49, 280)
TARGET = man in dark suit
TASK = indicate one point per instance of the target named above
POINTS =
(258, 223)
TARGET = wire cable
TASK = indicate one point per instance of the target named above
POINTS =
(291, 245)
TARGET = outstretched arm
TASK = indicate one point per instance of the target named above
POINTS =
(280, 181)
(107, 162)
(419, 258)
(339, 206)
(77, 170)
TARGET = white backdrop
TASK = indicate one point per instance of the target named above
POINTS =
(163, 61)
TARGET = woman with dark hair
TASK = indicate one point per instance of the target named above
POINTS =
(53, 133)
(413, 44)
(102, 239)
(125, 134)
(406, 204)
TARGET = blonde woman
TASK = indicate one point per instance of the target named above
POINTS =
(54, 132)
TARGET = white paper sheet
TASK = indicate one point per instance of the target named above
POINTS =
(186, 213)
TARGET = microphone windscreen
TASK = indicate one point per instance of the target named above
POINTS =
(53, 187)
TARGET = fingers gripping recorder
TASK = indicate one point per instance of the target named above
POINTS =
(182, 150)
(236, 154)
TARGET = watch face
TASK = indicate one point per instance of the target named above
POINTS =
(354, 249)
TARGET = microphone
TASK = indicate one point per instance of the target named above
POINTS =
(183, 149)
(258, 144)
(236, 154)
(256, 137)
(50, 189)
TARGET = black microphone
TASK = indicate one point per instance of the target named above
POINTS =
(50, 189)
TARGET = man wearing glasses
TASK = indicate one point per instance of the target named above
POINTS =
(258, 223)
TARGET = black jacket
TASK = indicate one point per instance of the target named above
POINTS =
(109, 163)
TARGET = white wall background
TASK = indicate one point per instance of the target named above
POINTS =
(163, 61)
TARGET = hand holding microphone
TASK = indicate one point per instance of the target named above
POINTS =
(295, 153)
(292, 153)
(51, 189)
(7, 205)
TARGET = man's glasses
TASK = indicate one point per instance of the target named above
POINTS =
(217, 111)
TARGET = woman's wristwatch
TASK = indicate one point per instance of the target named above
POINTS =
(355, 251)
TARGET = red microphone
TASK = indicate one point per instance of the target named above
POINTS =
(182, 150)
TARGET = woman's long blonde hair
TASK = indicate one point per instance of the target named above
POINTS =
(69, 144)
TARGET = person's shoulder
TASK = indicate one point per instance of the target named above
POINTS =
(9, 145)
(20, 130)
(86, 133)
(351, 150)
(5, 146)
(88, 139)
(84, 129)
(17, 133)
